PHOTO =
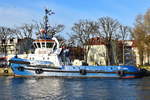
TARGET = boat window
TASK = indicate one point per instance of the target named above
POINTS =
(55, 46)
(35, 45)
(39, 45)
(49, 45)
(43, 45)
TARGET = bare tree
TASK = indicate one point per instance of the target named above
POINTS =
(141, 34)
(26, 34)
(25, 31)
(124, 31)
(82, 32)
(51, 31)
(72, 41)
(147, 29)
(146, 21)
(5, 34)
(109, 30)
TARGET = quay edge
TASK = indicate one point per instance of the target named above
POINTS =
(6, 71)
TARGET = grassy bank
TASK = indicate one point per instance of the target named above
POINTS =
(145, 67)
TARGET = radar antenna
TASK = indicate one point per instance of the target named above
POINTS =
(47, 12)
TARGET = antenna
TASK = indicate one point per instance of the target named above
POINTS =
(47, 12)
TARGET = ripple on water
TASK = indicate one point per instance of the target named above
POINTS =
(74, 89)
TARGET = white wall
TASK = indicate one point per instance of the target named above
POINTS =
(96, 55)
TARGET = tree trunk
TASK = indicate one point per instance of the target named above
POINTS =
(123, 55)
(109, 54)
(107, 57)
(141, 57)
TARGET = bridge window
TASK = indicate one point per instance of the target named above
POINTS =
(35, 45)
(43, 45)
(49, 45)
(39, 45)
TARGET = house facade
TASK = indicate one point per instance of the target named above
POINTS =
(97, 52)
(146, 57)
(8, 46)
(15, 46)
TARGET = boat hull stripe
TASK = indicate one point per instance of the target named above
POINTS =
(87, 71)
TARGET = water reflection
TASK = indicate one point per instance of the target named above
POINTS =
(73, 89)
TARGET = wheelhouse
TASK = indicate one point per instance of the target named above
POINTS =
(50, 44)
(44, 46)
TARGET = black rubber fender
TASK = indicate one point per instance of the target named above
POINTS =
(39, 71)
(5, 71)
(83, 72)
(21, 68)
(143, 70)
(121, 73)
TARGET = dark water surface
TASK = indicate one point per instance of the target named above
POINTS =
(74, 89)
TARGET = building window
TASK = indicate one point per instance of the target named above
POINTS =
(3, 41)
(11, 41)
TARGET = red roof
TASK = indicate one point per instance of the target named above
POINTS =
(96, 41)
(101, 41)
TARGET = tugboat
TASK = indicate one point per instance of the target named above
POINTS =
(48, 61)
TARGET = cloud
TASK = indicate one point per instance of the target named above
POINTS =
(10, 16)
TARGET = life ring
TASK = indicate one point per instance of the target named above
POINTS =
(121, 73)
(39, 71)
(5, 71)
(83, 72)
(21, 68)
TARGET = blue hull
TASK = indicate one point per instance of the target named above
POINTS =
(76, 71)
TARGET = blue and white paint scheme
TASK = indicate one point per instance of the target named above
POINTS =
(22, 67)
(49, 60)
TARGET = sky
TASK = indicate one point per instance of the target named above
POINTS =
(17, 12)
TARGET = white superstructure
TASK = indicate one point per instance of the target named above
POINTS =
(46, 50)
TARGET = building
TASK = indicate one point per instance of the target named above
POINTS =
(146, 57)
(8, 46)
(15, 46)
(97, 52)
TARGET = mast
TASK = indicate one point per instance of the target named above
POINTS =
(47, 12)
